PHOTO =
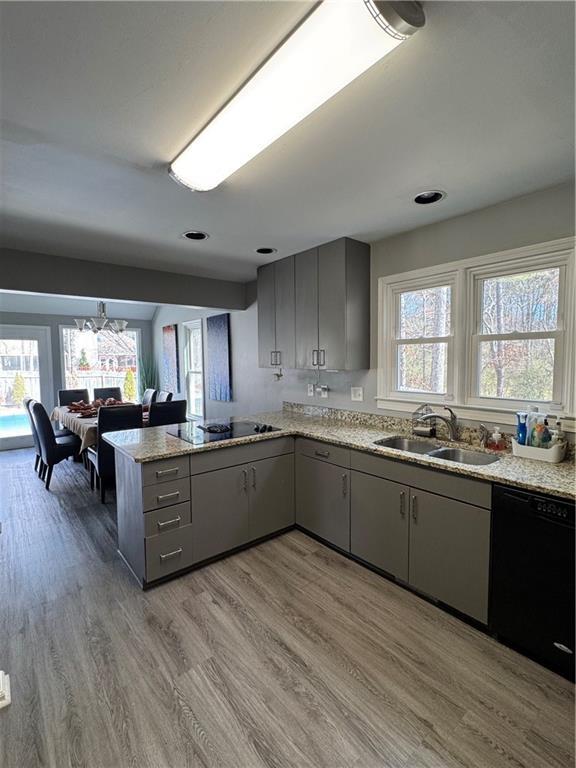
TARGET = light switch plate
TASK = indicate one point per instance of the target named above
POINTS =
(357, 393)
(310, 390)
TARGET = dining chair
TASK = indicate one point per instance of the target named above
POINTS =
(67, 396)
(58, 433)
(53, 450)
(163, 396)
(149, 396)
(103, 393)
(110, 419)
(171, 412)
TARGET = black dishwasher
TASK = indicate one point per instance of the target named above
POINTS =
(532, 576)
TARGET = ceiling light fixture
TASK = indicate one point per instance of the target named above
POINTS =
(430, 196)
(195, 234)
(336, 43)
(266, 251)
(101, 322)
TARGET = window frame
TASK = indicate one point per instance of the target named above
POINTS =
(466, 277)
(67, 326)
(194, 325)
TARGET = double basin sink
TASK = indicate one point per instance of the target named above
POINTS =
(459, 455)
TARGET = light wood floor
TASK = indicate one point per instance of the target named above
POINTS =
(285, 655)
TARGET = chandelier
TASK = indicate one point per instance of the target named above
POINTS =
(100, 322)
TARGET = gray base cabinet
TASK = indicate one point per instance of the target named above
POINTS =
(323, 500)
(219, 511)
(450, 552)
(271, 504)
(379, 527)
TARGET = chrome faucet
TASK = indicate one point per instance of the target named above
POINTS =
(451, 421)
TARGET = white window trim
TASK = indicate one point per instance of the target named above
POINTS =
(189, 325)
(465, 276)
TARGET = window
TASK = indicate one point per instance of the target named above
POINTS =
(104, 359)
(194, 370)
(482, 333)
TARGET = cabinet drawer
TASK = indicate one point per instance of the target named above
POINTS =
(316, 449)
(168, 553)
(165, 494)
(165, 470)
(166, 519)
(220, 458)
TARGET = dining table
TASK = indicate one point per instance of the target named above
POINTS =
(85, 428)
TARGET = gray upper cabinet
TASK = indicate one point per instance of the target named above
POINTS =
(379, 524)
(449, 552)
(323, 500)
(333, 306)
(306, 272)
(276, 315)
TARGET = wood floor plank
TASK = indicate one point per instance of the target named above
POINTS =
(286, 656)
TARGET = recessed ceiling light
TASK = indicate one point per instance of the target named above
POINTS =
(430, 196)
(195, 234)
(334, 45)
(266, 251)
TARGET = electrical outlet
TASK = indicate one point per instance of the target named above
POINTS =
(357, 393)
(310, 390)
(323, 391)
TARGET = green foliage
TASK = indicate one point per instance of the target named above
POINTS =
(148, 371)
(130, 386)
(83, 363)
(18, 388)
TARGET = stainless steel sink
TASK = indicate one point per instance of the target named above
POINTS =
(463, 456)
(406, 444)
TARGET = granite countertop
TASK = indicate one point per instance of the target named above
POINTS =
(153, 443)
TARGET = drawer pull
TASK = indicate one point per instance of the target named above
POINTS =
(164, 472)
(563, 648)
(164, 523)
(170, 555)
(164, 496)
(323, 454)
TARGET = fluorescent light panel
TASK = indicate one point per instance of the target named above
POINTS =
(338, 42)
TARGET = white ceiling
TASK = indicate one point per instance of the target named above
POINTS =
(97, 98)
(46, 304)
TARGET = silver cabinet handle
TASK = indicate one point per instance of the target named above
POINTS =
(169, 555)
(164, 496)
(245, 480)
(402, 503)
(279, 358)
(164, 472)
(344, 484)
(414, 509)
(323, 454)
(164, 523)
(254, 477)
(322, 357)
(314, 357)
(563, 648)
(272, 358)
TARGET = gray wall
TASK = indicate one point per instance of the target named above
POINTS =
(44, 273)
(54, 322)
(535, 218)
(253, 389)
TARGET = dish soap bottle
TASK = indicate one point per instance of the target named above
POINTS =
(496, 441)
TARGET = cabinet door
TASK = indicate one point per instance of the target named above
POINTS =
(219, 511)
(379, 525)
(323, 501)
(266, 315)
(285, 312)
(271, 495)
(332, 305)
(306, 287)
(449, 552)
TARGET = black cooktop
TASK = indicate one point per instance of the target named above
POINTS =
(198, 432)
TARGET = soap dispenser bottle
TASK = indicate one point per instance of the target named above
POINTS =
(496, 441)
